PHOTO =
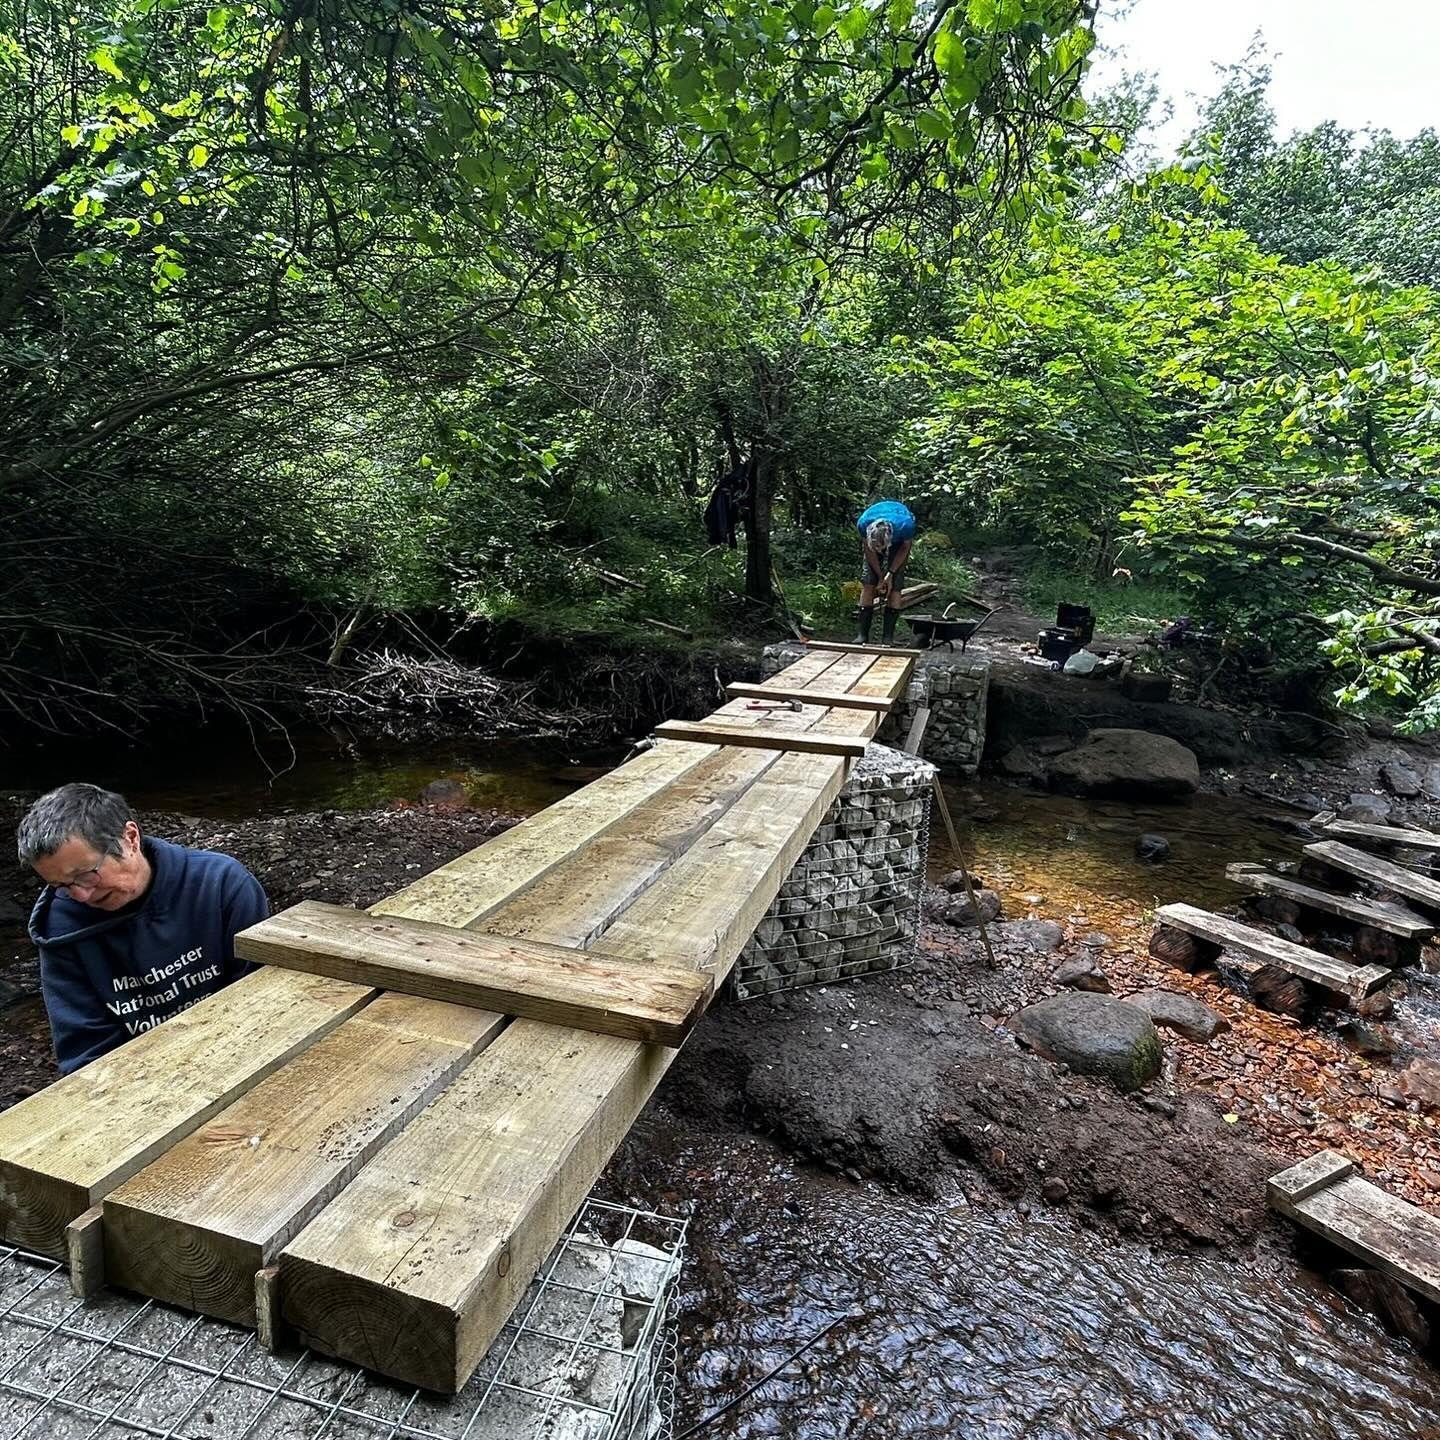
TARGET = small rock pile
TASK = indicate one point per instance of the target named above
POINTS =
(851, 905)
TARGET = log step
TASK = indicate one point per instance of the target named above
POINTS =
(1324, 970)
(1392, 919)
(1324, 1194)
(1380, 834)
(1420, 889)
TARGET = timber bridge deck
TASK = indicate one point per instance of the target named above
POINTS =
(334, 1148)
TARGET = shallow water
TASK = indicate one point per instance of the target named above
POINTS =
(1006, 1326)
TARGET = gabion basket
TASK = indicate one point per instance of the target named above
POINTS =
(851, 905)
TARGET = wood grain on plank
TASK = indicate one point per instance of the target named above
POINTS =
(415, 1267)
(1398, 1238)
(475, 882)
(1403, 835)
(1419, 889)
(801, 742)
(554, 983)
(1312, 965)
(1393, 919)
(194, 1226)
(70, 1145)
(423, 1307)
(835, 699)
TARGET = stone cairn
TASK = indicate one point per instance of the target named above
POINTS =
(851, 905)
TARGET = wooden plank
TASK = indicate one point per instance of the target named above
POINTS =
(1418, 889)
(1382, 834)
(85, 1252)
(862, 649)
(415, 1267)
(424, 1307)
(916, 736)
(799, 741)
(914, 594)
(1393, 919)
(269, 1327)
(1395, 1237)
(68, 1146)
(1312, 965)
(1301, 1181)
(835, 699)
(194, 1226)
(474, 883)
(462, 892)
(578, 898)
(553, 983)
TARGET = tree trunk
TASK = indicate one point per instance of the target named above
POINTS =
(757, 524)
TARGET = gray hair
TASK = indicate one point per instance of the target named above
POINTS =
(879, 532)
(73, 812)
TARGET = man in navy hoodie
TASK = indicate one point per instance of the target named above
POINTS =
(131, 930)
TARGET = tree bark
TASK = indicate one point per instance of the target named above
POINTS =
(758, 561)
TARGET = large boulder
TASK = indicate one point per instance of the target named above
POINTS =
(1094, 1035)
(1127, 762)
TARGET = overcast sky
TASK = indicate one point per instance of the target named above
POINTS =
(1371, 65)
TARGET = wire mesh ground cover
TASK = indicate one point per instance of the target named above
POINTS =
(851, 905)
(587, 1355)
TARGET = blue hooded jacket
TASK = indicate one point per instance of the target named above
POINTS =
(110, 975)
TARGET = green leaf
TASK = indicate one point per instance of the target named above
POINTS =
(933, 124)
(854, 23)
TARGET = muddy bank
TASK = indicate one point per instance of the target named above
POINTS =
(904, 1079)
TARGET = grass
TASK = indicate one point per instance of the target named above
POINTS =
(1139, 605)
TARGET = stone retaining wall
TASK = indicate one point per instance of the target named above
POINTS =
(953, 684)
(851, 905)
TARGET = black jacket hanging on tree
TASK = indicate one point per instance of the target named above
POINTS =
(726, 508)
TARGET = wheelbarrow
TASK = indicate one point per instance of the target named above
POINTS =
(935, 630)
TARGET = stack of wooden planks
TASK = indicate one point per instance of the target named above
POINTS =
(380, 1173)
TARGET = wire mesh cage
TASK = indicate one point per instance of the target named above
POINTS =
(851, 905)
(589, 1354)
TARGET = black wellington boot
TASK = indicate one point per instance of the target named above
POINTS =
(887, 635)
(867, 618)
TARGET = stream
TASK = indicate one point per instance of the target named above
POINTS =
(959, 1320)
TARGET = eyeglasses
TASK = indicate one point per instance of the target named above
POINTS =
(86, 879)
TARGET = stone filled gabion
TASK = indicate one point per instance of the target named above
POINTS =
(954, 685)
(851, 905)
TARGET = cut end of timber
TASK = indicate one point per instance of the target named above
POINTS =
(1310, 1176)
(404, 1337)
(35, 1208)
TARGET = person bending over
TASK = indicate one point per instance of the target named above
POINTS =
(887, 530)
(131, 930)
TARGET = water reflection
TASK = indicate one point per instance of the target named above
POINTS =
(1006, 1327)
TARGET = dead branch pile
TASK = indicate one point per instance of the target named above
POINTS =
(391, 692)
